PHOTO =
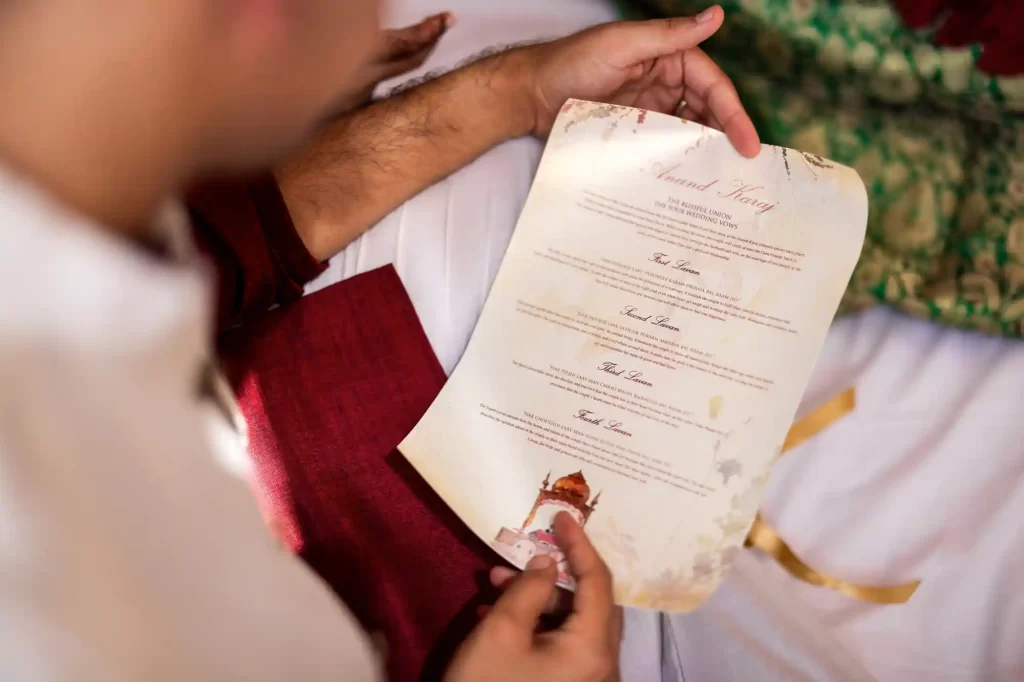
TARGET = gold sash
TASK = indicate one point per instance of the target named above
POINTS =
(763, 537)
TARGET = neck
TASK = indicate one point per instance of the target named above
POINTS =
(105, 150)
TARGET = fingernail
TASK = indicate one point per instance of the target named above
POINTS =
(449, 20)
(539, 563)
(708, 14)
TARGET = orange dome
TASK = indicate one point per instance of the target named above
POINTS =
(573, 485)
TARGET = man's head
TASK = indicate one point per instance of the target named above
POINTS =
(283, 65)
(223, 85)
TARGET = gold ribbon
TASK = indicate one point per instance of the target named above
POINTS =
(817, 421)
(765, 538)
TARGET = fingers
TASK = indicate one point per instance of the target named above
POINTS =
(721, 102)
(635, 42)
(525, 599)
(593, 602)
(403, 43)
(696, 109)
(559, 603)
(502, 576)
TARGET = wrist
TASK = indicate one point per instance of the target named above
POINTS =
(302, 212)
(512, 77)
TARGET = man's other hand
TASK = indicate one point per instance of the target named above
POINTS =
(398, 52)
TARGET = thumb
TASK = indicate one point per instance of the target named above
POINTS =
(640, 41)
(524, 602)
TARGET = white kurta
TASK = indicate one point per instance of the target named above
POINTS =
(127, 551)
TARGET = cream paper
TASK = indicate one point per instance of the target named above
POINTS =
(643, 350)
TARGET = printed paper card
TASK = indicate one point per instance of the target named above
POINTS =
(644, 348)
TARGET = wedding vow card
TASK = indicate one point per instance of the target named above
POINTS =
(644, 348)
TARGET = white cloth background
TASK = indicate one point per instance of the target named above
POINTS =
(922, 481)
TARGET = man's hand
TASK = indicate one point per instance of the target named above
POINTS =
(398, 51)
(506, 646)
(369, 162)
(653, 65)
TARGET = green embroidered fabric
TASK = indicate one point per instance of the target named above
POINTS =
(939, 145)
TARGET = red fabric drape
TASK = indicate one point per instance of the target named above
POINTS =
(329, 385)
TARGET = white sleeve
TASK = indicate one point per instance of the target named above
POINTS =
(127, 553)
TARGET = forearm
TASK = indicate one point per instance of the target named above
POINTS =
(366, 164)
